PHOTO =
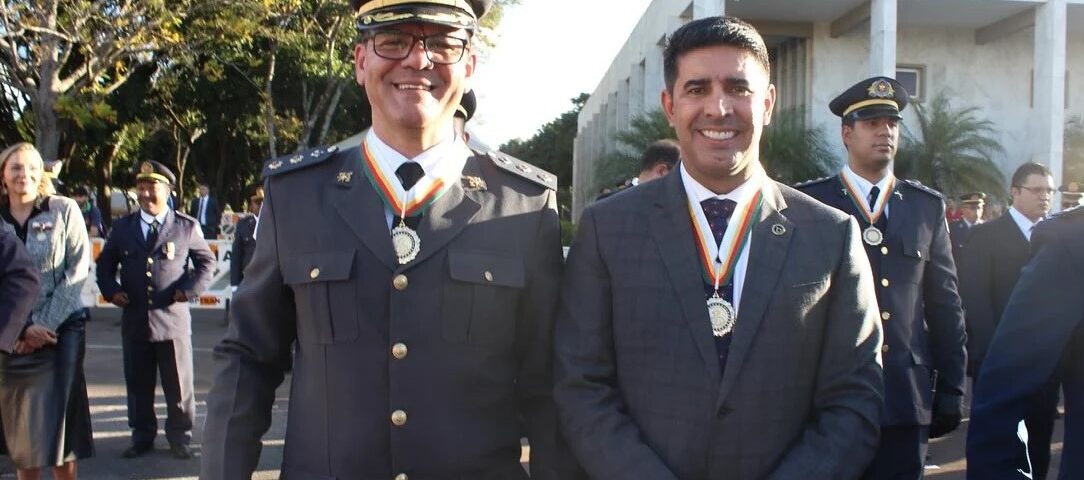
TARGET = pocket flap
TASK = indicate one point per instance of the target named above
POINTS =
(318, 267)
(487, 268)
(917, 250)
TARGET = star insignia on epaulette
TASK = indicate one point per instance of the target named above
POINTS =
(471, 183)
(296, 159)
(275, 165)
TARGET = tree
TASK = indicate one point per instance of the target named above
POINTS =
(624, 162)
(952, 151)
(50, 49)
(792, 152)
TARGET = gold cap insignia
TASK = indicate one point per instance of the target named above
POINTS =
(146, 167)
(881, 89)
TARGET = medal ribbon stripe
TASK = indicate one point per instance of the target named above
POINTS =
(856, 199)
(737, 242)
(386, 191)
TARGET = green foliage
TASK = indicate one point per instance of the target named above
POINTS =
(568, 232)
(952, 151)
(624, 163)
(792, 152)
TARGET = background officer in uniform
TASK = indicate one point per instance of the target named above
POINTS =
(990, 265)
(153, 248)
(971, 208)
(1040, 339)
(907, 243)
(19, 285)
(418, 278)
(244, 237)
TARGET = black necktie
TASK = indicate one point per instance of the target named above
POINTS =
(408, 173)
(718, 214)
(152, 233)
(873, 194)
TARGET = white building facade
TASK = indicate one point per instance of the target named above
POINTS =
(1021, 62)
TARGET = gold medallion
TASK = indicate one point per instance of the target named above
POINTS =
(722, 315)
(872, 236)
(406, 242)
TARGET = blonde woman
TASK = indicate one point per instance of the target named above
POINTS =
(43, 393)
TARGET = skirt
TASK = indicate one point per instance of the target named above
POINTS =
(44, 408)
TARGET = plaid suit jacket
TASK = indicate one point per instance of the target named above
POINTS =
(639, 390)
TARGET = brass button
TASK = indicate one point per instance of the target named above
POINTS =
(918, 253)
(884, 282)
(398, 418)
(149, 274)
(884, 250)
(401, 476)
(488, 275)
(884, 348)
(399, 351)
(885, 315)
(400, 282)
(150, 261)
(314, 273)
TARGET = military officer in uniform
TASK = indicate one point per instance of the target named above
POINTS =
(418, 278)
(244, 237)
(153, 248)
(971, 208)
(907, 242)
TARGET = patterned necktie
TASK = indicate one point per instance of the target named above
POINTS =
(152, 233)
(718, 214)
(409, 173)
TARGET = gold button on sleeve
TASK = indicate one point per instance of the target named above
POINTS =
(314, 273)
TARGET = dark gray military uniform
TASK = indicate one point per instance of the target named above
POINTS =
(430, 370)
(244, 245)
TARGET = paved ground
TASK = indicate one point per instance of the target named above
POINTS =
(107, 403)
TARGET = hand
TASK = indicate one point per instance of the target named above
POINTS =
(180, 297)
(37, 336)
(948, 411)
(22, 348)
(119, 299)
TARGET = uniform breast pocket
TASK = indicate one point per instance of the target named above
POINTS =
(325, 296)
(480, 298)
(915, 256)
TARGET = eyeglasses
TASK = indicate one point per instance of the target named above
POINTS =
(439, 49)
(1038, 190)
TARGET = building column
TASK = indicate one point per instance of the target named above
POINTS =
(708, 8)
(882, 38)
(1048, 126)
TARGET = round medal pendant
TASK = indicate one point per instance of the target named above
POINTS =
(722, 316)
(872, 236)
(407, 243)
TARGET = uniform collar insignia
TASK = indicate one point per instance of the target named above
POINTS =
(471, 183)
(345, 177)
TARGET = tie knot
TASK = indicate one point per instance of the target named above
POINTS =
(409, 173)
(718, 209)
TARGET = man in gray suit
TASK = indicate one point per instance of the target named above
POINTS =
(418, 278)
(692, 343)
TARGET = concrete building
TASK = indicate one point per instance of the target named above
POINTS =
(1021, 62)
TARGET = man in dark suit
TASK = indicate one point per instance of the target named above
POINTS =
(971, 208)
(417, 278)
(153, 248)
(678, 357)
(204, 208)
(19, 284)
(244, 237)
(907, 244)
(989, 268)
(1040, 340)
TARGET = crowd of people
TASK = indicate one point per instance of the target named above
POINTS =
(707, 323)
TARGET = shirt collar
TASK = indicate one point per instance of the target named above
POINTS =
(1023, 223)
(148, 219)
(698, 193)
(451, 149)
(865, 186)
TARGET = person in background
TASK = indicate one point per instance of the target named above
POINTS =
(1070, 195)
(971, 208)
(92, 216)
(153, 248)
(244, 237)
(657, 160)
(43, 394)
(205, 209)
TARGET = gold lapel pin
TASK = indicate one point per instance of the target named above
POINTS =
(778, 230)
(474, 183)
(345, 177)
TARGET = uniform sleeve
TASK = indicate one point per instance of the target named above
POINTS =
(842, 436)
(74, 268)
(605, 439)
(250, 361)
(1045, 309)
(19, 285)
(944, 313)
(203, 259)
(105, 268)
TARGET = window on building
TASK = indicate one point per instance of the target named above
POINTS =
(913, 78)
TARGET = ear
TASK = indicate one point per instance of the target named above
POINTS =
(661, 170)
(471, 63)
(359, 63)
(845, 132)
(769, 104)
(667, 101)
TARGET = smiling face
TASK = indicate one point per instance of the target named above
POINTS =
(719, 104)
(412, 94)
(22, 173)
(872, 143)
(153, 196)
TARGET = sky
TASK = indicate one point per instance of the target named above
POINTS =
(547, 52)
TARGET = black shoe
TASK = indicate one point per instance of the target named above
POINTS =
(138, 450)
(181, 452)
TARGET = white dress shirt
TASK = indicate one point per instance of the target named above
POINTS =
(865, 186)
(147, 220)
(444, 160)
(1022, 222)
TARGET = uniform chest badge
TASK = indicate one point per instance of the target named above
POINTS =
(170, 250)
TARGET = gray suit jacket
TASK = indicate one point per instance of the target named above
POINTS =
(433, 370)
(639, 389)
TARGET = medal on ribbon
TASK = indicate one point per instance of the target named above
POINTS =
(872, 235)
(739, 229)
(404, 240)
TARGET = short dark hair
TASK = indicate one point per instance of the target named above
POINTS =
(1026, 170)
(664, 151)
(710, 32)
